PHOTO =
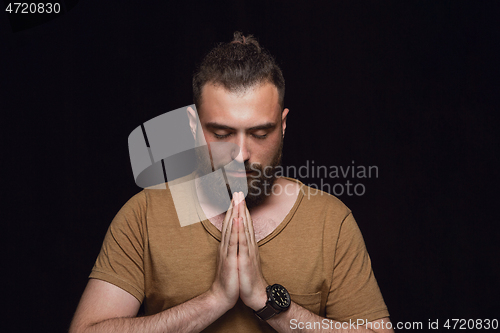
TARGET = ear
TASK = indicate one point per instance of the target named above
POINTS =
(283, 120)
(193, 120)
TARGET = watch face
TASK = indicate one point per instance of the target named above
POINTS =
(280, 296)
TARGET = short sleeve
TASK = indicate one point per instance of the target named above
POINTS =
(121, 260)
(354, 292)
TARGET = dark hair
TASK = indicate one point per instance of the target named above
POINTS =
(237, 66)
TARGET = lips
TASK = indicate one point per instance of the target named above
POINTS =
(238, 173)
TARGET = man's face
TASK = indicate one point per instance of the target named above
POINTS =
(250, 125)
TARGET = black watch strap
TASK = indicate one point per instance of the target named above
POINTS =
(267, 312)
(270, 309)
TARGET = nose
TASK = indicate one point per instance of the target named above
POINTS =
(243, 153)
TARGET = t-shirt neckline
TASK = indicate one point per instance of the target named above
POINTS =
(212, 230)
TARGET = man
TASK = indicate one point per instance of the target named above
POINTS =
(274, 261)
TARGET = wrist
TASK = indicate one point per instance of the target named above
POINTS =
(278, 300)
(259, 301)
(218, 300)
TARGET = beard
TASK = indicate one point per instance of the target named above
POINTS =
(218, 185)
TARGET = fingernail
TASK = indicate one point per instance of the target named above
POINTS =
(236, 198)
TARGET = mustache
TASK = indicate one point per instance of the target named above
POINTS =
(248, 168)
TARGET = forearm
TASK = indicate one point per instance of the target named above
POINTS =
(191, 316)
(298, 319)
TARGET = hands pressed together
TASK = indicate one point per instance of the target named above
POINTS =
(239, 272)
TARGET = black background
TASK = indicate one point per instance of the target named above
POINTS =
(411, 87)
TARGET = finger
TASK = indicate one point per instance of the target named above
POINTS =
(243, 213)
(237, 201)
(237, 197)
(246, 221)
(250, 226)
(241, 205)
(233, 241)
(229, 227)
(242, 239)
(225, 224)
(234, 215)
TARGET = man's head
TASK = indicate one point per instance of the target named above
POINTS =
(237, 66)
(240, 109)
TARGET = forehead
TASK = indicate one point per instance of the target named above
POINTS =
(247, 108)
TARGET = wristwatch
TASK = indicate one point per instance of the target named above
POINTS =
(278, 300)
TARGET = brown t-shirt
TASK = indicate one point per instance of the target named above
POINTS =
(317, 253)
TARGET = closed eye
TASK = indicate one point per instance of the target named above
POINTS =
(220, 136)
(260, 137)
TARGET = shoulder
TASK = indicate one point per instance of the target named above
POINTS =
(160, 195)
(173, 202)
(134, 207)
(152, 197)
(317, 200)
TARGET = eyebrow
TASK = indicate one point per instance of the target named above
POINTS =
(265, 126)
